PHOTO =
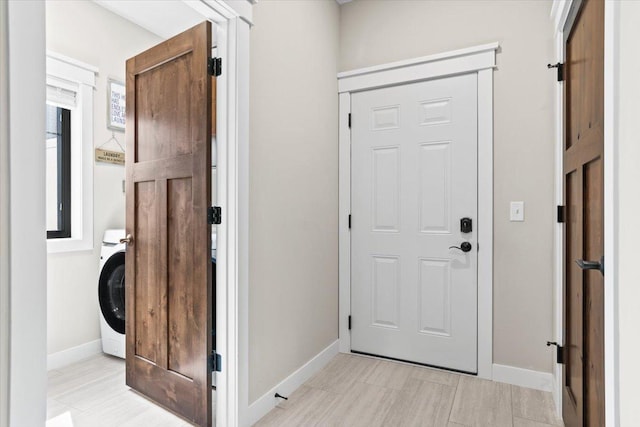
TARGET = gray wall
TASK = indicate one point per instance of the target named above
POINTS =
(293, 235)
(375, 32)
(628, 206)
(91, 34)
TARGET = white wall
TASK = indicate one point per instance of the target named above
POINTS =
(22, 216)
(628, 208)
(91, 34)
(293, 198)
(376, 32)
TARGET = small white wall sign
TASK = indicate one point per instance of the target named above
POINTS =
(116, 108)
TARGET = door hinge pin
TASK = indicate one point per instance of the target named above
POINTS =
(349, 322)
(349, 120)
(349, 221)
(559, 351)
(214, 66)
(560, 67)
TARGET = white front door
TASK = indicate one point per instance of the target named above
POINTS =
(414, 178)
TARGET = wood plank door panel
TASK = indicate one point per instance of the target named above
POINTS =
(583, 391)
(168, 190)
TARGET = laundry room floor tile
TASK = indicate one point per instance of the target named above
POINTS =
(94, 392)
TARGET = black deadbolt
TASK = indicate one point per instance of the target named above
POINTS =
(466, 225)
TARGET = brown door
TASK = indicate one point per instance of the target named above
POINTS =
(168, 190)
(583, 395)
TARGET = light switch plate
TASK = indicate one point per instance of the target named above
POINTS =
(517, 211)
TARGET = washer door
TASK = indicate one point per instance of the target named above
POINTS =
(111, 292)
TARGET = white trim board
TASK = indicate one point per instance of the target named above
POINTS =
(559, 14)
(523, 377)
(24, 236)
(74, 354)
(611, 88)
(459, 61)
(268, 401)
(480, 60)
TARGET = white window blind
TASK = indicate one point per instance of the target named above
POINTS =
(61, 97)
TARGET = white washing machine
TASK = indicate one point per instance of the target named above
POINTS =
(111, 291)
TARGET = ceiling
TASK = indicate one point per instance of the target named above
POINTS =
(182, 15)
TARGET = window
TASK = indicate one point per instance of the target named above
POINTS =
(69, 154)
(58, 172)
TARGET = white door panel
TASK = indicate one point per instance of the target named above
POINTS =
(414, 176)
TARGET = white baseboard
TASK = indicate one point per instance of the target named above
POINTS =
(74, 354)
(267, 402)
(524, 377)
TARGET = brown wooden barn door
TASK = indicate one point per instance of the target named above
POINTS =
(583, 395)
(168, 191)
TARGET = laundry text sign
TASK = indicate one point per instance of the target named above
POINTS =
(106, 156)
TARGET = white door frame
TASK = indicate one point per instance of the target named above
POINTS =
(481, 61)
(233, 23)
(559, 14)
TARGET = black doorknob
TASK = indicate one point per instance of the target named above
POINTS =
(464, 247)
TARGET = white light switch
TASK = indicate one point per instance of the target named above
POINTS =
(517, 211)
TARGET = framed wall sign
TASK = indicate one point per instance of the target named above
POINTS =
(116, 98)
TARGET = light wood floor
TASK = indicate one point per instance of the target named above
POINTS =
(350, 391)
(95, 394)
(360, 391)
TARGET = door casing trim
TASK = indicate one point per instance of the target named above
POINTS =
(559, 15)
(479, 60)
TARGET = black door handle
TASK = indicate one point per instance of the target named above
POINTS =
(464, 247)
(592, 265)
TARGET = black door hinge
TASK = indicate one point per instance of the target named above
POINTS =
(560, 67)
(559, 351)
(561, 214)
(214, 66)
(215, 362)
(349, 322)
(349, 221)
(214, 215)
(349, 120)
